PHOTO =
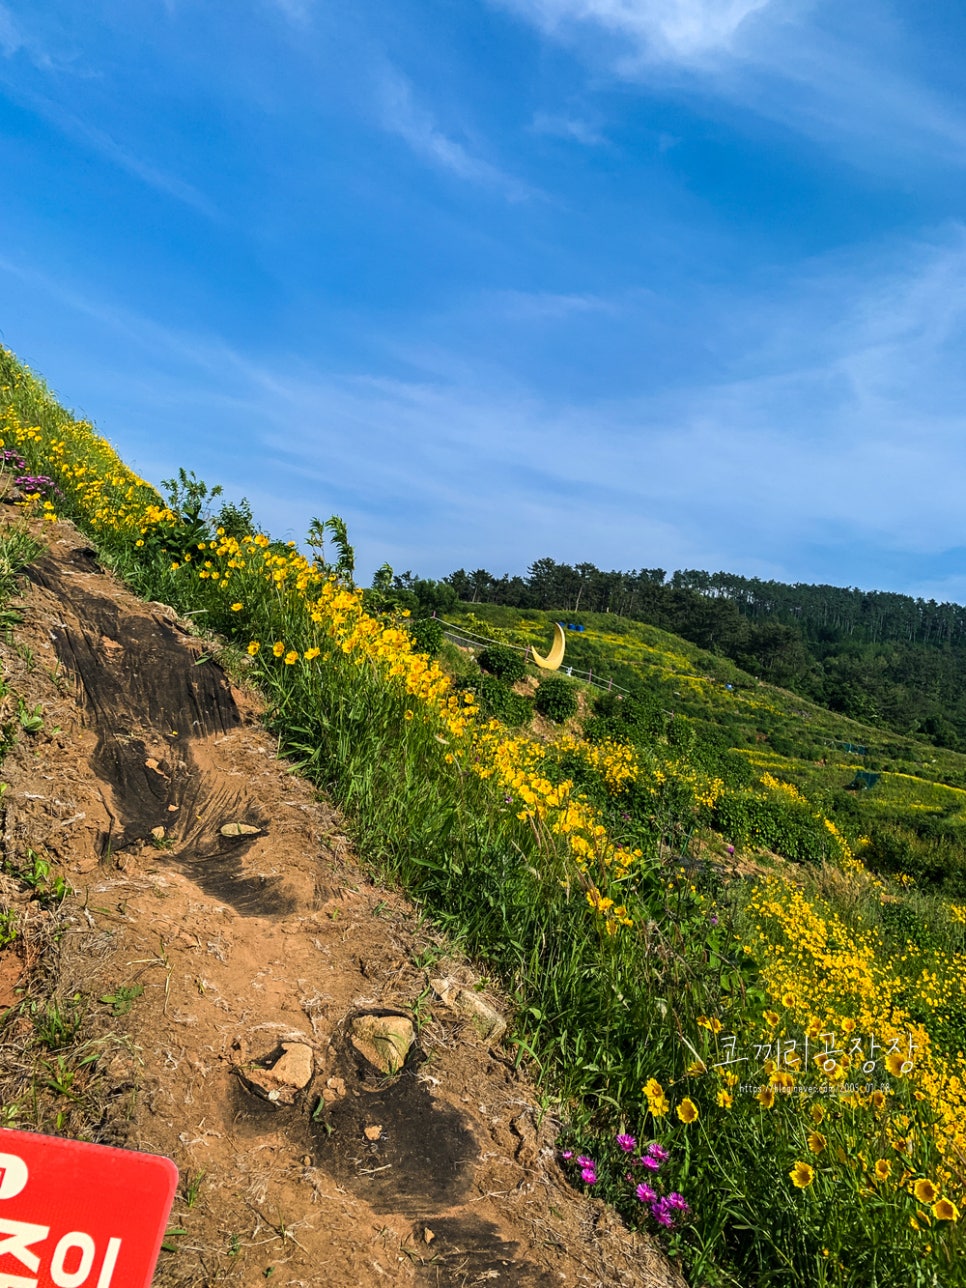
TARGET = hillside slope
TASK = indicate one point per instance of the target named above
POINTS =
(144, 1007)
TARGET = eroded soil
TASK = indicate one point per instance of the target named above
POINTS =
(213, 949)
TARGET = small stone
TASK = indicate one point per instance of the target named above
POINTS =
(157, 833)
(428, 1235)
(290, 1074)
(373, 1133)
(384, 1040)
(334, 1090)
(483, 1015)
(239, 829)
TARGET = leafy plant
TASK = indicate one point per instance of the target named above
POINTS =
(503, 662)
(556, 698)
(427, 635)
(499, 700)
(8, 927)
(31, 718)
(122, 999)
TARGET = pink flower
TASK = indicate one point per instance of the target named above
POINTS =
(567, 1155)
(588, 1176)
(584, 1161)
(645, 1194)
(661, 1211)
(652, 1163)
(657, 1151)
(627, 1143)
(677, 1201)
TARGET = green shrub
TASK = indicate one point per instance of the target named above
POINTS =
(426, 634)
(788, 827)
(497, 699)
(503, 662)
(556, 699)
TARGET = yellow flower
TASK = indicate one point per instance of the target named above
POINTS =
(771, 1017)
(725, 1099)
(713, 1025)
(766, 1097)
(311, 653)
(896, 1064)
(925, 1191)
(883, 1169)
(816, 1142)
(818, 1114)
(291, 657)
(687, 1111)
(878, 1099)
(802, 1175)
(696, 1068)
(236, 608)
(945, 1211)
(788, 999)
(408, 715)
(278, 648)
(253, 648)
(656, 1100)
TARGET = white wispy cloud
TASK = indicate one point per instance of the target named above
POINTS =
(815, 68)
(539, 306)
(676, 30)
(565, 126)
(842, 426)
(105, 145)
(402, 115)
(15, 39)
(298, 12)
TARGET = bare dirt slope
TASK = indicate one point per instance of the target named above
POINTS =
(192, 963)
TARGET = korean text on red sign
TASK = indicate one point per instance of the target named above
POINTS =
(80, 1216)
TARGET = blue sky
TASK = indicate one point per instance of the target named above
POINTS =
(675, 283)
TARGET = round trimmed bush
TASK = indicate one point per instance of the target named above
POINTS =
(556, 699)
(503, 662)
(497, 699)
(426, 634)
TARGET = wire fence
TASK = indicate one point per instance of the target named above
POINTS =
(469, 639)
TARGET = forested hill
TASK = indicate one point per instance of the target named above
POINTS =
(880, 657)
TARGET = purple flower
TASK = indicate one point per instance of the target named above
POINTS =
(657, 1151)
(584, 1161)
(627, 1143)
(645, 1194)
(713, 919)
(588, 1176)
(661, 1211)
(677, 1201)
(567, 1155)
(653, 1164)
(730, 849)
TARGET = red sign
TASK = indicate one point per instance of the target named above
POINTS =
(80, 1216)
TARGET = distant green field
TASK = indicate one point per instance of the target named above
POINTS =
(777, 732)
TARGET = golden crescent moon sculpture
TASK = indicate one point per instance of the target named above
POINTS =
(553, 659)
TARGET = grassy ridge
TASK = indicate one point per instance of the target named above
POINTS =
(657, 1000)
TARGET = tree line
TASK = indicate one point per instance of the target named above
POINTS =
(884, 658)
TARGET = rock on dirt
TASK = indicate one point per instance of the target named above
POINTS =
(283, 1075)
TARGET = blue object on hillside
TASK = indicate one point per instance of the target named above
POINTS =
(865, 779)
